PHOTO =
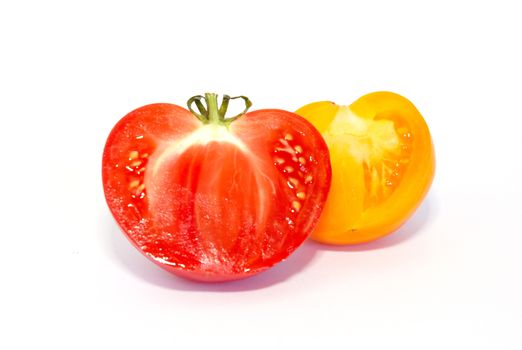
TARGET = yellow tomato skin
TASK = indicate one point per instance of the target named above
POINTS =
(383, 164)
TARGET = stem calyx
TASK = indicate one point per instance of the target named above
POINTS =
(210, 113)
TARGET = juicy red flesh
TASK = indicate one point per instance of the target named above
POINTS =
(215, 209)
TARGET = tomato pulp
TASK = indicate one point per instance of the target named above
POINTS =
(383, 164)
(210, 198)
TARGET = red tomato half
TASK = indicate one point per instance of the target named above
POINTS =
(211, 198)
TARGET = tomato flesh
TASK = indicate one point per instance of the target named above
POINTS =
(382, 165)
(211, 202)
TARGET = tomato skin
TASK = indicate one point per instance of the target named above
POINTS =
(358, 210)
(211, 203)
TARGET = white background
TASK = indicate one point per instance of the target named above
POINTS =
(450, 279)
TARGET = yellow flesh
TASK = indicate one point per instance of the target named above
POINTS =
(368, 158)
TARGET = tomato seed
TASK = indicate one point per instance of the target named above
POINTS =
(133, 155)
(134, 183)
(140, 189)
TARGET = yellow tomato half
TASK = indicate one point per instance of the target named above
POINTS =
(383, 164)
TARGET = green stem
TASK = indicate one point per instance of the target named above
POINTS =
(214, 116)
(212, 113)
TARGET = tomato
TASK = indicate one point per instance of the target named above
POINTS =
(383, 164)
(211, 198)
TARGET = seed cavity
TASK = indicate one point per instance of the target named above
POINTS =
(135, 167)
(292, 161)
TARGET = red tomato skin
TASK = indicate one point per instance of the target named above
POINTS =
(167, 121)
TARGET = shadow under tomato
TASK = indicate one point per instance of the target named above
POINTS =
(410, 229)
(133, 261)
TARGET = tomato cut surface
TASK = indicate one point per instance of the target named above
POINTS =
(215, 201)
(382, 165)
